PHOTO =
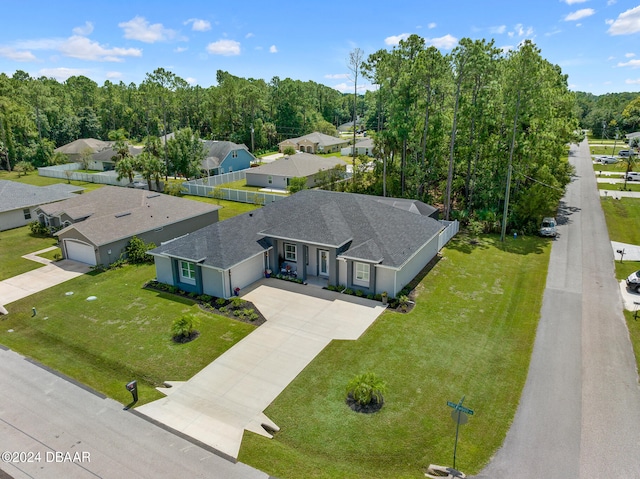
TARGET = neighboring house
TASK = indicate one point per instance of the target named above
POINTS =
(103, 160)
(19, 201)
(363, 242)
(345, 127)
(277, 174)
(363, 147)
(97, 226)
(225, 157)
(315, 143)
(79, 148)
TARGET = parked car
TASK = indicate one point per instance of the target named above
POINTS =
(626, 153)
(607, 160)
(548, 227)
(438, 472)
(633, 176)
(633, 281)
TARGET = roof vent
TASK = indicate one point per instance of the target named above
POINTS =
(153, 196)
(120, 215)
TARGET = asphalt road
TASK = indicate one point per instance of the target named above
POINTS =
(54, 429)
(579, 414)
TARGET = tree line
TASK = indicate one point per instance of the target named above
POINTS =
(610, 115)
(470, 131)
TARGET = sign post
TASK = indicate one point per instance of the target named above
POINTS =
(459, 415)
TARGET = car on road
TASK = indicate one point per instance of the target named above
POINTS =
(548, 227)
(633, 281)
(633, 176)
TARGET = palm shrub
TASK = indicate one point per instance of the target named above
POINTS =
(366, 388)
(184, 329)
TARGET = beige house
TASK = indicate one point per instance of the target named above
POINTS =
(314, 143)
(278, 174)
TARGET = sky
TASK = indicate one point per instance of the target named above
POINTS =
(595, 42)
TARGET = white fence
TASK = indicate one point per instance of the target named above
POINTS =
(451, 229)
(68, 172)
(209, 187)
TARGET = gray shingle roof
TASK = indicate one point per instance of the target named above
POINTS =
(298, 165)
(116, 213)
(320, 138)
(14, 195)
(78, 146)
(372, 230)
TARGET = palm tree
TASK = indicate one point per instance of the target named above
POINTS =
(152, 168)
(126, 168)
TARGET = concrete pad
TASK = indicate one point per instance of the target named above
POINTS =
(216, 405)
(31, 282)
(631, 251)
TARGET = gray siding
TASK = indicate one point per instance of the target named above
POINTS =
(15, 219)
(415, 264)
(213, 282)
(247, 272)
(385, 280)
(164, 274)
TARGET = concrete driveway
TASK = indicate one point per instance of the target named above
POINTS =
(230, 395)
(52, 274)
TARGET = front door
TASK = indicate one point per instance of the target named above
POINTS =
(323, 262)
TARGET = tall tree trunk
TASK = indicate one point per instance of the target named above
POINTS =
(447, 206)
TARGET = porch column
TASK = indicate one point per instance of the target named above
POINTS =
(333, 267)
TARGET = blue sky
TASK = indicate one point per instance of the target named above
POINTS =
(595, 42)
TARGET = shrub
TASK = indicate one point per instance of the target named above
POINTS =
(38, 229)
(221, 302)
(222, 309)
(370, 296)
(359, 293)
(237, 302)
(205, 298)
(184, 328)
(136, 251)
(403, 302)
(331, 287)
(366, 388)
(348, 291)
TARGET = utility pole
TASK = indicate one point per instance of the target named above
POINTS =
(508, 188)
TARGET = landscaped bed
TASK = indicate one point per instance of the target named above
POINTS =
(471, 333)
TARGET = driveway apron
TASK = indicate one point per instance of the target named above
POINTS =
(230, 395)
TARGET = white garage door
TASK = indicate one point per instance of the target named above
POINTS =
(81, 252)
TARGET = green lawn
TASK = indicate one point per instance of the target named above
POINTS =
(619, 186)
(229, 208)
(34, 179)
(471, 333)
(623, 218)
(123, 335)
(17, 242)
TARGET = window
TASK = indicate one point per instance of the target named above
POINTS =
(187, 272)
(361, 273)
(270, 179)
(27, 213)
(290, 252)
(234, 154)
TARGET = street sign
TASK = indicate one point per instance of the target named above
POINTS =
(459, 417)
(460, 407)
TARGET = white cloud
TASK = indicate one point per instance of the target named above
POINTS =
(629, 55)
(114, 75)
(191, 80)
(611, 2)
(499, 29)
(342, 87)
(520, 31)
(627, 22)
(84, 30)
(432, 25)
(249, 35)
(17, 55)
(446, 42)
(273, 49)
(633, 82)
(395, 39)
(571, 2)
(85, 49)
(198, 25)
(138, 28)
(337, 76)
(62, 74)
(225, 48)
(578, 14)
(611, 58)
(180, 49)
(630, 63)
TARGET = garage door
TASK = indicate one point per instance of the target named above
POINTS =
(81, 252)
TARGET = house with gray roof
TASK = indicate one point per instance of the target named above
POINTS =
(96, 227)
(225, 157)
(363, 242)
(363, 147)
(314, 143)
(278, 174)
(19, 201)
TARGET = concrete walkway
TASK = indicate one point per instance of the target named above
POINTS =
(230, 395)
(53, 273)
